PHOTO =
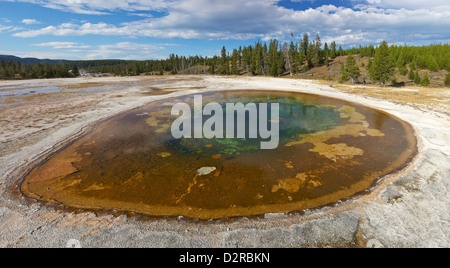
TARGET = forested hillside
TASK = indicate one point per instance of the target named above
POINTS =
(383, 64)
(28, 60)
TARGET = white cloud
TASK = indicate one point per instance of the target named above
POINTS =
(126, 50)
(409, 4)
(237, 19)
(71, 29)
(98, 7)
(141, 15)
(78, 51)
(30, 21)
(63, 45)
(9, 29)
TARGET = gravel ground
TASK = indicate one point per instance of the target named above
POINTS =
(407, 209)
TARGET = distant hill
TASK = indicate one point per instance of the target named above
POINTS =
(28, 60)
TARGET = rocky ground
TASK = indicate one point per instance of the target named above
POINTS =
(408, 209)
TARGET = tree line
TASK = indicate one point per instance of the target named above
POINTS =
(401, 59)
(276, 58)
(271, 58)
(17, 70)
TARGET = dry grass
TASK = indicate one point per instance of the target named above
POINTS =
(434, 98)
(333, 73)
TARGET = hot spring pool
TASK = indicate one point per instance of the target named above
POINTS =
(329, 150)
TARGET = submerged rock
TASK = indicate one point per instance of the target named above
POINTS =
(205, 171)
(165, 154)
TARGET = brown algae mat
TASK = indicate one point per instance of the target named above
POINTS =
(329, 150)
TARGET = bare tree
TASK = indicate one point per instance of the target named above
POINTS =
(287, 59)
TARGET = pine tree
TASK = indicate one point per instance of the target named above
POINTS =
(75, 72)
(432, 64)
(447, 80)
(383, 66)
(401, 61)
(309, 55)
(351, 69)
(235, 62)
(316, 57)
(369, 68)
(254, 61)
(240, 57)
(344, 75)
(333, 50)
(417, 78)
(225, 69)
(293, 57)
(304, 44)
(280, 64)
(412, 74)
(425, 81)
(273, 58)
(3, 74)
(369, 65)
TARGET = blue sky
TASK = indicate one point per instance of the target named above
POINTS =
(153, 29)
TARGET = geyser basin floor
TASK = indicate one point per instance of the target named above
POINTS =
(329, 150)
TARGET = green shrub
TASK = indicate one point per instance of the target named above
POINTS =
(417, 78)
(447, 80)
(425, 81)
